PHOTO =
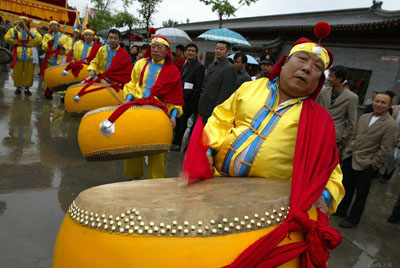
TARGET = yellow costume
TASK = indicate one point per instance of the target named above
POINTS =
(59, 39)
(270, 154)
(134, 166)
(102, 60)
(81, 50)
(24, 67)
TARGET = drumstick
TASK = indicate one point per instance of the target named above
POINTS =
(115, 95)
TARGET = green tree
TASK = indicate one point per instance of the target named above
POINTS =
(104, 17)
(146, 11)
(124, 18)
(224, 9)
(169, 23)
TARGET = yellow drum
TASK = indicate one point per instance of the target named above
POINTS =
(59, 80)
(91, 100)
(155, 223)
(139, 131)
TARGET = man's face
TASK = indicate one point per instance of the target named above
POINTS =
(88, 37)
(300, 74)
(113, 40)
(158, 52)
(134, 50)
(77, 35)
(190, 53)
(333, 80)
(221, 51)
(179, 53)
(55, 28)
(238, 64)
(381, 104)
(265, 67)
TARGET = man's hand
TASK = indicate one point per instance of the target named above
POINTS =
(343, 143)
(173, 122)
(321, 205)
(91, 75)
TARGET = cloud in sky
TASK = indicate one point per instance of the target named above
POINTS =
(195, 11)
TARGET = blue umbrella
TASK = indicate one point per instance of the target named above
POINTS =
(250, 59)
(224, 35)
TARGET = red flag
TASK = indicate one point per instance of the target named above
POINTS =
(196, 166)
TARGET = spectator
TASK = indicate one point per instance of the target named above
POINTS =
(180, 57)
(240, 61)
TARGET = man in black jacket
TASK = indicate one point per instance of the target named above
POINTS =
(192, 80)
(219, 83)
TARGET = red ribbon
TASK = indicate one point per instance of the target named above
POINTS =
(15, 50)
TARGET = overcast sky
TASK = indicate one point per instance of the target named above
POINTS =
(195, 11)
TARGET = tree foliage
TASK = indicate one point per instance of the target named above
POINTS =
(104, 17)
(224, 9)
(124, 18)
(147, 10)
(169, 23)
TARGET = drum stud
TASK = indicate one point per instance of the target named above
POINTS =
(137, 212)
(117, 218)
(200, 223)
(274, 211)
(81, 220)
(262, 219)
(91, 219)
(206, 228)
(284, 217)
(111, 222)
(77, 218)
(200, 231)
(173, 231)
(103, 216)
(139, 218)
(162, 231)
(220, 226)
(131, 217)
(91, 214)
(162, 225)
(267, 213)
(225, 220)
(97, 219)
(246, 218)
(86, 217)
(282, 209)
(236, 219)
(86, 212)
(238, 227)
(248, 226)
(186, 231)
(112, 228)
(150, 231)
(110, 217)
(168, 227)
(180, 228)
(243, 223)
(86, 222)
(99, 225)
(214, 231)
(226, 229)
(93, 224)
(269, 222)
(231, 224)
(140, 231)
(256, 215)
(141, 223)
(174, 223)
(133, 210)
(155, 229)
(126, 220)
(193, 227)
(186, 223)
(278, 220)
(280, 215)
(126, 227)
(212, 222)
(146, 228)
(122, 215)
(105, 226)
(258, 224)
(128, 212)
(272, 217)
(121, 230)
(131, 231)
(136, 228)
(96, 215)
(151, 224)
(119, 223)
(253, 222)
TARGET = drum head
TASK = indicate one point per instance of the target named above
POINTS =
(216, 206)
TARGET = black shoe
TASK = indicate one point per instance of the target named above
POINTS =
(175, 147)
(27, 92)
(347, 224)
(394, 219)
(17, 91)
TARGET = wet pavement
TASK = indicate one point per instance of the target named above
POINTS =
(42, 171)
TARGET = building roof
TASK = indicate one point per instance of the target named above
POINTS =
(340, 20)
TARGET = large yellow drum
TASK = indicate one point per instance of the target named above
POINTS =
(57, 80)
(156, 223)
(139, 131)
(91, 100)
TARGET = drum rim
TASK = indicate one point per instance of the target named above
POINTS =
(114, 107)
(56, 66)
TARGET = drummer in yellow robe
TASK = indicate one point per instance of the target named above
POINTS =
(56, 45)
(149, 69)
(253, 133)
(23, 38)
(82, 48)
